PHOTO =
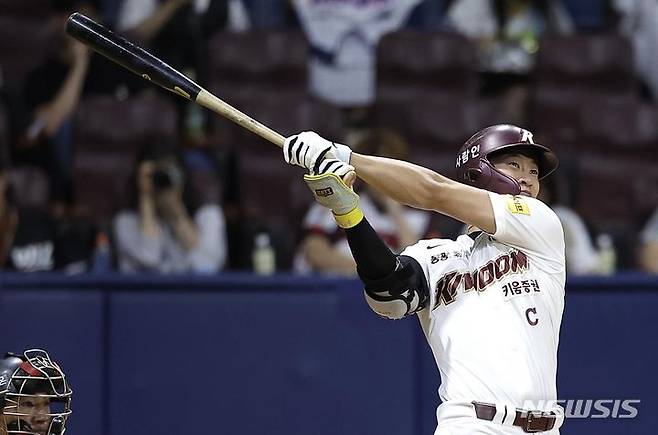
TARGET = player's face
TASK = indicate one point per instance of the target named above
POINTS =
(35, 410)
(523, 169)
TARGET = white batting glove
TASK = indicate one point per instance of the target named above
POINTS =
(330, 191)
(308, 149)
(333, 166)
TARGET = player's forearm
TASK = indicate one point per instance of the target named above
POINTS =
(373, 258)
(402, 181)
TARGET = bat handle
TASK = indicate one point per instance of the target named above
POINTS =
(219, 106)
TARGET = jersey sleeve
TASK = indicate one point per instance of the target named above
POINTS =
(528, 224)
(422, 252)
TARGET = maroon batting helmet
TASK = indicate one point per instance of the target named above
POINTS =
(473, 165)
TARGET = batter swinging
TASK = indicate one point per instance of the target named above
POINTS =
(491, 301)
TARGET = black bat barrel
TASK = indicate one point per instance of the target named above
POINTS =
(130, 56)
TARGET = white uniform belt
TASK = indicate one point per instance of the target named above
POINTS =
(530, 421)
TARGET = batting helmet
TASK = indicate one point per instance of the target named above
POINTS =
(37, 399)
(474, 167)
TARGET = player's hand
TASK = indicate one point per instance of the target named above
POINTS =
(330, 191)
(308, 149)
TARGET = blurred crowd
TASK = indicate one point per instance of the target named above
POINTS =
(101, 171)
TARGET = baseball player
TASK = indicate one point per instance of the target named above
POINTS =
(37, 397)
(490, 302)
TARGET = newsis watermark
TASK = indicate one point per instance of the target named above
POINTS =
(590, 408)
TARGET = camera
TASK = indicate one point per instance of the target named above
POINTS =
(167, 177)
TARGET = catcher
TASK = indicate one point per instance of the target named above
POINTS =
(490, 302)
(35, 398)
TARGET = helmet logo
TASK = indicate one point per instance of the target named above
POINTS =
(467, 154)
(526, 136)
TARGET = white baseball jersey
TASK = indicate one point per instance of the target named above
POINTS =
(496, 304)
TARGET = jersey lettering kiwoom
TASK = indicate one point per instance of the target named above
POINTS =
(447, 287)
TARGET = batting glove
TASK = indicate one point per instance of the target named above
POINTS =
(308, 149)
(330, 191)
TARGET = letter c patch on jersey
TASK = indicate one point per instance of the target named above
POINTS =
(517, 205)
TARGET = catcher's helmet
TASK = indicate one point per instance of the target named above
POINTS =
(473, 165)
(29, 379)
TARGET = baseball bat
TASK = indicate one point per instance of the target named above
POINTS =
(144, 64)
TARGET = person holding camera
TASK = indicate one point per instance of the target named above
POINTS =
(167, 229)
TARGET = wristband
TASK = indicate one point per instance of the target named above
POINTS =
(350, 219)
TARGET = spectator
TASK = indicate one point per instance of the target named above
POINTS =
(507, 33)
(175, 30)
(245, 15)
(638, 21)
(343, 36)
(167, 229)
(649, 245)
(51, 94)
(32, 240)
(324, 248)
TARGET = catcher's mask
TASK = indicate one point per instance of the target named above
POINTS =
(475, 168)
(37, 399)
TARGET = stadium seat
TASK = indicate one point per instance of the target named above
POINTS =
(107, 135)
(257, 60)
(19, 55)
(284, 112)
(616, 194)
(438, 124)
(555, 114)
(647, 115)
(430, 123)
(615, 189)
(612, 122)
(4, 133)
(600, 62)
(26, 8)
(572, 72)
(425, 63)
(104, 121)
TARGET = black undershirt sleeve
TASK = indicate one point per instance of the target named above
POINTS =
(374, 260)
(387, 276)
